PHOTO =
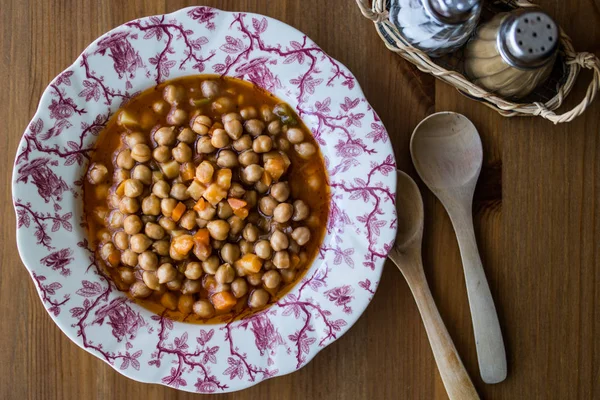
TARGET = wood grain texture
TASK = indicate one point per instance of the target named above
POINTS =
(537, 222)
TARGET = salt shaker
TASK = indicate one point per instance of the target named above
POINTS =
(436, 27)
(512, 53)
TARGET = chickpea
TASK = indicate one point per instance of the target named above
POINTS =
(282, 144)
(234, 129)
(203, 309)
(186, 303)
(227, 159)
(169, 301)
(266, 113)
(167, 224)
(121, 175)
(283, 212)
(161, 247)
(274, 127)
(281, 259)
(225, 274)
(208, 213)
(271, 279)
(182, 153)
(236, 190)
(305, 150)
(223, 105)
(167, 206)
(279, 240)
(204, 145)
(124, 159)
(179, 191)
(128, 205)
(230, 253)
(166, 273)
(243, 143)
(210, 89)
(268, 265)
(148, 218)
(121, 240)
(254, 279)
(126, 275)
(267, 205)
(139, 242)
(261, 187)
(133, 188)
(248, 157)
(254, 127)
(293, 247)
(250, 233)
(236, 224)
(251, 198)
(134, 138)
(154, 231)
(162, 154)
(193, 270)
(262, 248)
(161, 189)
(211, 264)
(142, 173)
(151, 205)
(175, 285)
(151, 280)
(129, 257)
(109, 251)
(97, 173)
(173, 94)
(233, 116)
(252, 173)
(219, 139)
(165, 136)
(248, 112)
(280, 191)
(295, 135)
(262, 144)
(301, 211)
(301, 235)
(186, 136)
(177, 116)
(201, 124)
(258, 298)
(116, 219)
(188, 220)
(139, 290)
(148, 261)
(245, 247)
(239, 287)
(160, 107)
(288, 275)
(224, 210)
(141, 152)
(191, 286)
(218, 229)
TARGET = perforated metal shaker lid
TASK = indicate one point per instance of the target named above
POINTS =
(451, 11)
(528, 39)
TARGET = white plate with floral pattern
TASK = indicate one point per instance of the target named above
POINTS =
(53, 155)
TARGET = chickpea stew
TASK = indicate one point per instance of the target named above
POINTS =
(206, 197)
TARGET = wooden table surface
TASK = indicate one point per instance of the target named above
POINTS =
(537, 221)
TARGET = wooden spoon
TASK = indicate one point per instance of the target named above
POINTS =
(446, 151)
(406, 254)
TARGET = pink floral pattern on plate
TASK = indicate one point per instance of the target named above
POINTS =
(55, 150)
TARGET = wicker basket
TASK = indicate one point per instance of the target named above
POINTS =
(542, 102)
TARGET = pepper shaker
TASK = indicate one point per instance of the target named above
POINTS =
(513, 53)
(436, 27)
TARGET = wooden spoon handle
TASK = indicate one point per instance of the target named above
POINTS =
(491, 354)
(456, 379)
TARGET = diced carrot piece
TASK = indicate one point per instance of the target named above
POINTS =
(178, 211)
(241, 212)
(114, 258)
(202, 251)
(205, 171)
(266, 179)
(202, 236)
(223, 301)
(120, 189)
(236, 204)
(182, 244)
(275, 167)
(214, 194)
(224, 178)
(196, 189)
(187, 171)
(250, 262)
(200, 205)
(210, 283)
